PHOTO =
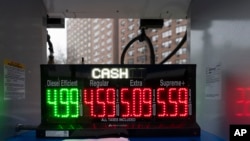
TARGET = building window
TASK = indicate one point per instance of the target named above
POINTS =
(180, 29)
(131, 53)
(155, 38)
(96, 60)
(109, 32)
(156, 48)
(154, 30)
(102, 29)
(167, 34)
(123, 40)
(130, 61)
(131, 35)
(96, 53)
(103, 43)
(181, 51)
(139, 32)
(179, 21)
(109, 48)
(156, 58)
(123, 31)
(166, 44)
(131, 27)
(165, 54)
(96, 33)
(142, 59)
(109, 25)
(130, 20)
(95, 40)
(96, 47)
(96, 26)
(109, 40)
(181, 61)
(109, 62)
(141, 49)
(109, 55)
(167, 23)
(178, 40)
(168, 62)
(122, 22)
(103, 36)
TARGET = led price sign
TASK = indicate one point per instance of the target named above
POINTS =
(243, 102)
(101, 102)
(238, 97)
(120, 96)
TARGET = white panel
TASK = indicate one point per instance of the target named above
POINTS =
(219, 35)
(23, 40)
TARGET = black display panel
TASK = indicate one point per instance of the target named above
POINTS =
(110, 97)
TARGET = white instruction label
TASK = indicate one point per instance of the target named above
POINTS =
(14, 80)
(51, 133)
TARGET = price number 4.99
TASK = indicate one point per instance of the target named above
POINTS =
(64, 102)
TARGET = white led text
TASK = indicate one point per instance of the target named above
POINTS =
(113, 73)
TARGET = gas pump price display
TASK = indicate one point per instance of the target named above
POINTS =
(121, 94)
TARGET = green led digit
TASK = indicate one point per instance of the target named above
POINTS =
(52, 100)
(74, 102)
(64, 101)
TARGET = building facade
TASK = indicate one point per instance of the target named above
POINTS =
(90, 41)
(101, 41)
(79, 40)
(164, 40)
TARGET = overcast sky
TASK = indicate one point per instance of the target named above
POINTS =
(58, 39)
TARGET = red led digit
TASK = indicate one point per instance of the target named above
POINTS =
(183, 99)
(125, 103)
(171, 93)
(89, 100)
(137, 102)
(243, 103)
(110, 95)
(99, 91)
(147, 101)
(240, 101)
(162, 103)
(247, 103)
